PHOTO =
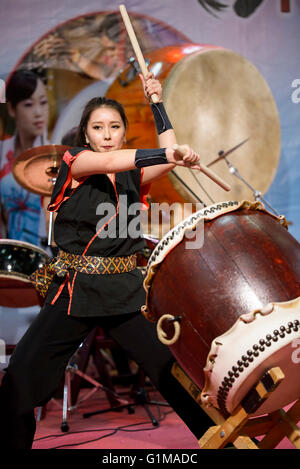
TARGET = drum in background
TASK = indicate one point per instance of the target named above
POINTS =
(18, 260)
(244, 259)
(215, 99)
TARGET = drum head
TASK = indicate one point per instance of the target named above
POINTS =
(216, 99)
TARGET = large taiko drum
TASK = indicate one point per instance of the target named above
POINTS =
(215, 99)
(18, 260)
(224, 289)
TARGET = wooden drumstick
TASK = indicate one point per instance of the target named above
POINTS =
(211, 174)
(136, 46)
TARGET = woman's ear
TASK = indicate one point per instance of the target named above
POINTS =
(86, 139)
(11, 110)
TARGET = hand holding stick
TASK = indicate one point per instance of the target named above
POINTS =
(135, 46)
(211, 174)
(155, 98)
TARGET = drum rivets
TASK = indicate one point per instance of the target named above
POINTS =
(245, 360)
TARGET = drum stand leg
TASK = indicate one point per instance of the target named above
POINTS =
(239, 428)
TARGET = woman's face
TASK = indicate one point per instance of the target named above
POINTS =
(105, 130)
(31, 115)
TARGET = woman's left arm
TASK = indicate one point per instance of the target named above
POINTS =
(166, 138)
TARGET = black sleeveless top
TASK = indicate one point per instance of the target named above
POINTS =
(94, 220)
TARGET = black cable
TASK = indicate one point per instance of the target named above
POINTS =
(113, 432)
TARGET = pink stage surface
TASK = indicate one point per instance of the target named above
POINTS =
(116, 430)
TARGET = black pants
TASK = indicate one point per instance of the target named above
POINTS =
(38, 363)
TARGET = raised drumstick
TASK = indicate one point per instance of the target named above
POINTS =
(211, 174)
(135, 46)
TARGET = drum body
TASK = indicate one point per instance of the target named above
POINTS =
(247, 259)
(215, 99)
(18, 260)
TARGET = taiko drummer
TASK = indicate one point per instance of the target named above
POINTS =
(95, 281)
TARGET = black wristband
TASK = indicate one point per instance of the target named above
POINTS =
(161, 118)
(151, 157)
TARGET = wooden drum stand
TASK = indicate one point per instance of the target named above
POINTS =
(240, 427)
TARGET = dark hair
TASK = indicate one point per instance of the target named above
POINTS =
(21, 86)
(93, 104)
(112, 27)
(69, 137)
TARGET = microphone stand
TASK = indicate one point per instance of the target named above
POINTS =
(257, 194)
(52, 172)
(50, 228)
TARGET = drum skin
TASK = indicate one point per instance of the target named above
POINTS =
(248, 260)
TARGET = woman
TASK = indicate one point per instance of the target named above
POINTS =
(96, 282)
(27, 104)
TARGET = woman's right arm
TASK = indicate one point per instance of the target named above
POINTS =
(90, 162)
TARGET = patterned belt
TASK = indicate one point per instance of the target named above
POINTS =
(65, 261)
